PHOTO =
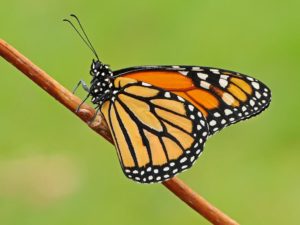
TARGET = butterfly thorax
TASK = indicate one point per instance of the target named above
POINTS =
(102, 82)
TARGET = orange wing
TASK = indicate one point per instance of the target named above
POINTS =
(157, 133)
(224, 97)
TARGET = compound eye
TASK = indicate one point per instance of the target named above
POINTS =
(97, 65)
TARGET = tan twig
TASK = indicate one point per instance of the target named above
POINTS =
(99, 125)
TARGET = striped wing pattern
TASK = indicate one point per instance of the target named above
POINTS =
(157, 133)
(224, 97)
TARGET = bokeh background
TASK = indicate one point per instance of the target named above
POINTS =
(55, 170)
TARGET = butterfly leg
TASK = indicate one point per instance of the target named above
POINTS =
(98, 109)
(95, 115)
(84, 86)
(84, 100)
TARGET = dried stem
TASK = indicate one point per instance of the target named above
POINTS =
(86, 113)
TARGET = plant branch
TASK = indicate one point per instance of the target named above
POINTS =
(86, 113)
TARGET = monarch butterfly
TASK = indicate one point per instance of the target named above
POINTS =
(161, 116)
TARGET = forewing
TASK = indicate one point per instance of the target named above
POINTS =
(224, 97)
(157, 133)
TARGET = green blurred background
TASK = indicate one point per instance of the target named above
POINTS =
(55, 170)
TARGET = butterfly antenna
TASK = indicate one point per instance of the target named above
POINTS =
(87, 38)
(85, 41)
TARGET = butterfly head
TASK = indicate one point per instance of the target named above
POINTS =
(101, 84)
(98, 70)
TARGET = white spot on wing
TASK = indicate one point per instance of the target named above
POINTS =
(255, 85)
(227, 112)
(146, 84)
(196, 68)
(202, 122)
(205, 84)
(223, 83)
(216, 71)
(180, 99)
(202, 76)
(191, 107)
(183, 160)
(258, 95)
(167, 95)
(216, 114)
(184, 166)
(212, 123)
(183, 72)
(166, 168)
(224, 77)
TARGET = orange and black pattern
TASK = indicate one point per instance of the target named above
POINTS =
(161, 116)
(157, 133)
(224, 97)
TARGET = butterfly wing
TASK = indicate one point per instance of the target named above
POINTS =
(157, 133)
(224, 97)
